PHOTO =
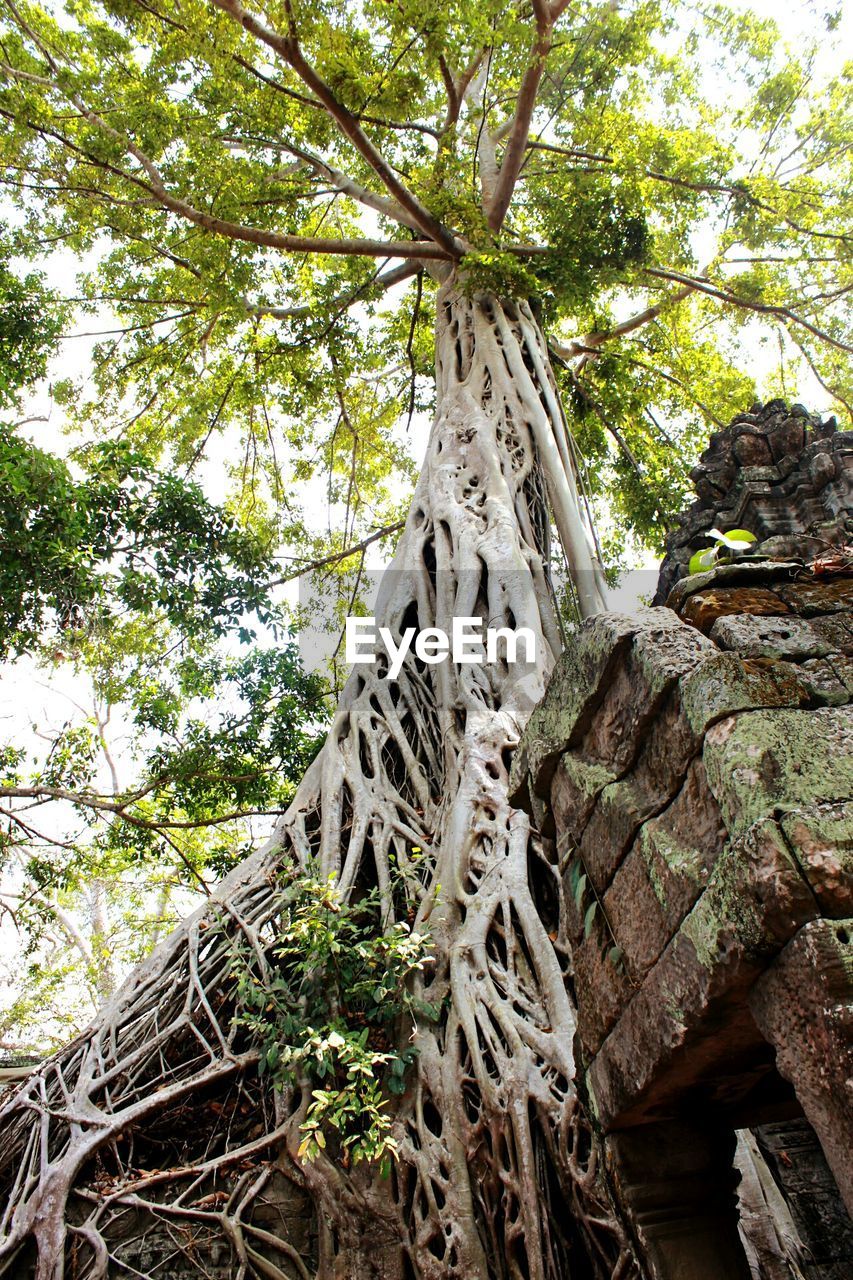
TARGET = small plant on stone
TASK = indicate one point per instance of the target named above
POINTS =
(727, 546)
(332, 1011)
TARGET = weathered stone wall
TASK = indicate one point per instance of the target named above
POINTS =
(696, 772)
(779, 472)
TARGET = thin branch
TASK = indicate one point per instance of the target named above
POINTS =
(761, 308)
(336, 556)
(342, 182)
(608, 426)
(415, 126)
(588, 345)
(384, 281)
(103, 804)
(836, 395)
(682, 386)
(409, 352)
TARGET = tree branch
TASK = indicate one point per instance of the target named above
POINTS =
(156, 187)
(386, 281)
(608, 426)
(457, 86)
(336, 556)
(584, 347)
(735, 189)
(415, 126)
(342, 182)
(288, 48)
(520, 128)
(831, 391)
(761, 308)
(103, 804)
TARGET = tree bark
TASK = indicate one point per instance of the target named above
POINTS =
(498, 1172)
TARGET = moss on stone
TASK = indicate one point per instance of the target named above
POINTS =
(763, 762)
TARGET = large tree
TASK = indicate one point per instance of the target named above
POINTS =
(535, 181)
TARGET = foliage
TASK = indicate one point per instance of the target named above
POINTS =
(77, 554)
(594, 239)
(212, 745)
(333, 1012)
(261, 315)
(132, 578)
(726, 546)
(500, 273)
(189, 158)
(31, 317)
(263, 203)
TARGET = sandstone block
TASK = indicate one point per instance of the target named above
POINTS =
(666, 649)
(786, 438)
(755, 901)
(704, 607)
(819, 676)
(661, 653)
(574, 691)
(739, 573)
(623, 805)
(843, 668)
(602, 986)
(619, 811)
(576, 786)
(804, 1007)
(727, 683)
(751, 449)
(668, 1037)
(761, 762)
(821, 840)
(812, 596)
(665, 871)
(837, 631)
(636, 913)
(763, 637)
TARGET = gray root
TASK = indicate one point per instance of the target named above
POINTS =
(154, 1124)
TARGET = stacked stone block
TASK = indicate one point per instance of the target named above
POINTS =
(695, 766)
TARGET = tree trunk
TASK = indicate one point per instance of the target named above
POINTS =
(497, 1173)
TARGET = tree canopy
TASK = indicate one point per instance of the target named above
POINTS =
(178, 727)
(262, 201)
(264, 191)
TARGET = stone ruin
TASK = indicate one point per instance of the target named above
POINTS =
(783, 474)
(693, 763)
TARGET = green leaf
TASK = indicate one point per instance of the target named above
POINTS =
(588, 919)
(702, 560)
(735, 540)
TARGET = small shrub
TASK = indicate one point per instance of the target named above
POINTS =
(332, 1013)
